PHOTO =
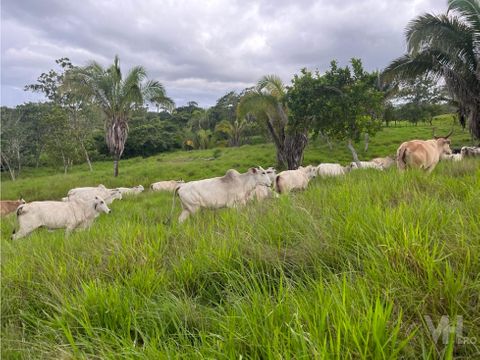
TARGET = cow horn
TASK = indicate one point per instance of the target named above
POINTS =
(449, 134)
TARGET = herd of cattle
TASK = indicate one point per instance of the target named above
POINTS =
(82, 205)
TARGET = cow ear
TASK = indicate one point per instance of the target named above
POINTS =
(252, 170)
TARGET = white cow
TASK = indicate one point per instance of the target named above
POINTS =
(470, 151)
(131, 191)
(452, 157)
(57, 214)
(230, 190)
(263, 192)
(385, 162)
(295, 179)
(365, 165)
(328, 169)
(170, 185)
(87, 194)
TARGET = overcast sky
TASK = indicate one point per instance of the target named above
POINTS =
(200, 49)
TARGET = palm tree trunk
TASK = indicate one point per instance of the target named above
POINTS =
(116, 137)
(474, 121)
(116, 159)
(279, 141)
(293, 150)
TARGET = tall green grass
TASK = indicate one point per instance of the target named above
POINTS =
(347, 269)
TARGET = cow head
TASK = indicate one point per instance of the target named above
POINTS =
(261, 176)
(115, 194)
(443, 143)
(139, 188)
(271, 173)
(100, 205)
(310, 170)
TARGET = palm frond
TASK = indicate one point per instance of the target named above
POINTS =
(272, 84)
(468, 9)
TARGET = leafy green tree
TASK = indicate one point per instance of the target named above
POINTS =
(152, 137)
(446, 46)
(81, 115)
(183, 115)
(116, 96)
(13, 141)
(203, 139)
(234, 132)
(343, 103)
(59, 144)
(420, 98)
(224, 109)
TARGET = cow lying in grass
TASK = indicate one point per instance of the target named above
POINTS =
(385, 162)
(58, 214)
(131, 191)
(470, 151)
(365, 165)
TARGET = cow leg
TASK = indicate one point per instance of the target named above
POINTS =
(22, 232)
(183, 216)
(69, 230)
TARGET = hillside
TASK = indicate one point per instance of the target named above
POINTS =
(347, 269)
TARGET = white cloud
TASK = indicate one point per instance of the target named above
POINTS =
(200, 49)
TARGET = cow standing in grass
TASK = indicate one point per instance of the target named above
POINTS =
(58, 214)
(295, 179)
(9, 206)
(168, 185)
(423, 154)
(262, 192)
(230, 190)
(89, 193)
(328, 169)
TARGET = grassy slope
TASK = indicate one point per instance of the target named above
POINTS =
(346, 269)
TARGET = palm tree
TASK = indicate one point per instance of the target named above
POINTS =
(234, 131)
(116, 96)
(446, 46)
(267, 103)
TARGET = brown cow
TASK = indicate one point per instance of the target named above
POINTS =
(423, 154)
(9, 206)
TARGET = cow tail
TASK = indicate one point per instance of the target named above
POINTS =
(277, 184)
(20, 210)
(401, 163)
(169, 219)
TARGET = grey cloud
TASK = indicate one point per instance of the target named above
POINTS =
(200, 50)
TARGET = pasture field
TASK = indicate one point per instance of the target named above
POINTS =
(357, 267)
